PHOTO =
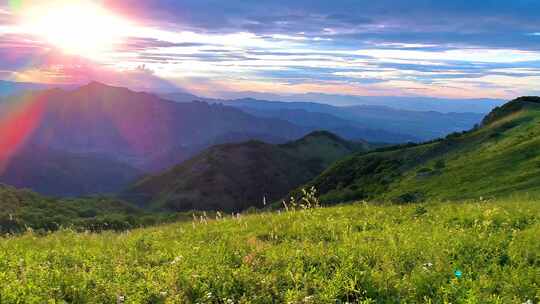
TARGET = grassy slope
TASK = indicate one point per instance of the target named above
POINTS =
(353, 253)
(498, 159)
(235, 177)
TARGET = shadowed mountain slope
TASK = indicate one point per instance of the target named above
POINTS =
(234, 177)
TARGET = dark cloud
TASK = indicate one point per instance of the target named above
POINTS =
(491, 23)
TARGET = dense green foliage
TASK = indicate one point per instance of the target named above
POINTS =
(21, 210)
(497, 159)
(476, 252)
(234, 177)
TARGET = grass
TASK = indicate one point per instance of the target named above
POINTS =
(357, 253)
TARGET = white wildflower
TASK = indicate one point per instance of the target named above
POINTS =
(176, 260)
(120, 299)
(427, 266)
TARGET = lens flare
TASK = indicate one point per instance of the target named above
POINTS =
(18, 121)
(80, 28)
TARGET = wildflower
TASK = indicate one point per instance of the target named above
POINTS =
(120, 299)
(427, 265)
(163, 293)
(529, 301)
(458, 273)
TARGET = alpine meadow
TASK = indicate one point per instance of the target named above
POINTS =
(265, 152)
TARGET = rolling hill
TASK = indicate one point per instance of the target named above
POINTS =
(234, 177)
(499, 158)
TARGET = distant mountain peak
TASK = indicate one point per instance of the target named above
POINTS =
(93, 85)
(323, 133)
(96, 86)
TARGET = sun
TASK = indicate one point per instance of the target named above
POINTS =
(80, 28)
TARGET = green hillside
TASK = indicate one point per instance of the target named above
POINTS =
(473, 252)
(499, 158)
(234, 177)
(22, 209)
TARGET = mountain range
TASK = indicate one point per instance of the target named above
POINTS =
(374, 123)
(497, 158)
(369, 122)
(409, 103)
(99, 139)
(114, 134)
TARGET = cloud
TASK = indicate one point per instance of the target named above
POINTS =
(137, 44)
(384, 16)
(405, 47)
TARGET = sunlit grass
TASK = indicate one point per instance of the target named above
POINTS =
(357, 253)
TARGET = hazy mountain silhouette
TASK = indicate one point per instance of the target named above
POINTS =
(369, 122)
(374, 123)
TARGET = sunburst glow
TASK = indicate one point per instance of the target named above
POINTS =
(76, 27)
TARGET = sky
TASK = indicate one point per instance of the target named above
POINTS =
(452, 49)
